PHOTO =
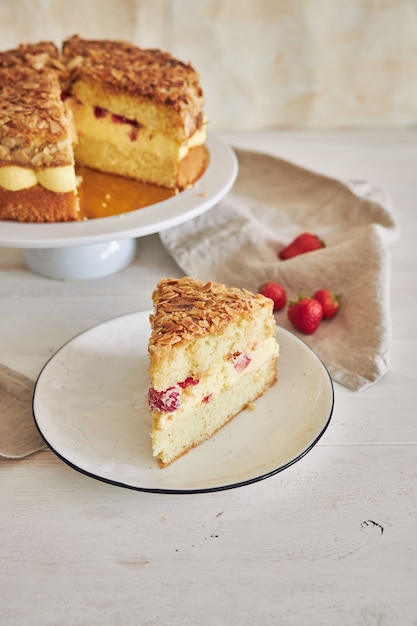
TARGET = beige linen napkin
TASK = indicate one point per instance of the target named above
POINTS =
(272, 201)
(19, 436)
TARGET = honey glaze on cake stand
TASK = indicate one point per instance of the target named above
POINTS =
(116, 212)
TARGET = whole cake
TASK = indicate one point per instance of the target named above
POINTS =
(107, 105)
(213, 351)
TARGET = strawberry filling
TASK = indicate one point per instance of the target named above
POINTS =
(188, 381)
(100, 113)
(120, 119)
(165, 401)
(168, 400)
(240, 361)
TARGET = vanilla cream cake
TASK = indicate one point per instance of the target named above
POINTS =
(213, 351)
(106, 105)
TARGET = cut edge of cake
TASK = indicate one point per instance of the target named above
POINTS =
(37, 170)
(138, 112)
(212, 353)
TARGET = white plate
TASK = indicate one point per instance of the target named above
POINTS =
(216, 181)
(90, 405)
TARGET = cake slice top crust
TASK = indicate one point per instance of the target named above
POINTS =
(34, 129)
(147, 75)
(186, 309)
(37, 56)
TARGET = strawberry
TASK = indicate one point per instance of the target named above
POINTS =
(305, 314)
(306, 242)
(330, 302)
(240, 361)
(188, 381)
(277, 294)
(164, 401)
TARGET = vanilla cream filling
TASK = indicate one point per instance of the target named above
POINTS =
(197, 139)
(57, 179)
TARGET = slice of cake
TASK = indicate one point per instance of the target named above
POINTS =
(138, 113)
(213, 351)
(37, 175)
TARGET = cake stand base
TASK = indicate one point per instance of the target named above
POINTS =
(81, 262)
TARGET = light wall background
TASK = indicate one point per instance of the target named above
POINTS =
(263, 63)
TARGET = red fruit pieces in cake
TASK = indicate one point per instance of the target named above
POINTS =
(240, 361)
(276, 293)
(305, 314)
(165, 401)
(99, 112)
(169, 400)
(306, 242)
(330, 302)
(188, 382)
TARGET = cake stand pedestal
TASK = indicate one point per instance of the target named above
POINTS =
(82, 261)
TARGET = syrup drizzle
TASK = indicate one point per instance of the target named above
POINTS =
(105, 195)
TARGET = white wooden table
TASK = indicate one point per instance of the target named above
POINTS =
(330, 541)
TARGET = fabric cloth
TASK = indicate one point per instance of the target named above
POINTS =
(19, 436)
(237, 243)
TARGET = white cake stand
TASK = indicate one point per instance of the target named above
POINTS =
(98, 247)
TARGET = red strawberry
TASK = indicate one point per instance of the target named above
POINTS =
(330, 302)
(188, 381)
(164, 401)
(306, 242)
(240, 361)
(305, 314)
(277, 294)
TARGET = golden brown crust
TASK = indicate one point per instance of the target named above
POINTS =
(34, 130)
(150, 75)
(37, 55)
(38, 204)
(186, 308)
